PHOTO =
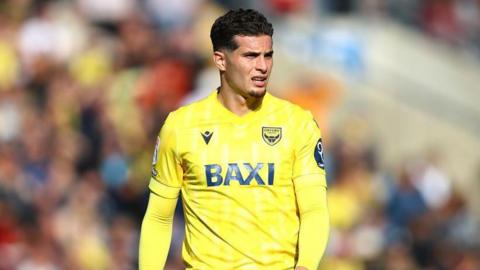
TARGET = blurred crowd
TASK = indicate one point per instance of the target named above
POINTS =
(405, 217)
(84, 88)
(453, 22)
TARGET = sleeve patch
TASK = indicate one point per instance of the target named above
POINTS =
(155, 157)
(318, 154)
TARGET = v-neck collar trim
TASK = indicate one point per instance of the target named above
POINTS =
(225, 112)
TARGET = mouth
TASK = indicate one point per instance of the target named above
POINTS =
(259, 81)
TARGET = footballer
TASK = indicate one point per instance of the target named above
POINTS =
(248, 166)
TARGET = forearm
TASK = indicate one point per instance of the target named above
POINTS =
(156, 233)
(314, 224)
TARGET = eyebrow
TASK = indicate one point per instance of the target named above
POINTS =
(252, 53)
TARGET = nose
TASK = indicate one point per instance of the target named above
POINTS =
(261, 64)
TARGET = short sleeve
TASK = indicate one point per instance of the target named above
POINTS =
(167, 174)
(309, 152)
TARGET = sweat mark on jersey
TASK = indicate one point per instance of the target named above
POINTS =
(207, 135)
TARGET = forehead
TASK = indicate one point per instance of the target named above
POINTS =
(253, 43)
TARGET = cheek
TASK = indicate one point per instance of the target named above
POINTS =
(270, 65)
(241, 72)
(237, 76)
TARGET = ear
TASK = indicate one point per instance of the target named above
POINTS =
(219, 60)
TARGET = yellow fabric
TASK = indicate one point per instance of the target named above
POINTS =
(314, 224)
(90, 68)
(8, 65)
(236, 178)
(156, 232)
(344, 263)
(345, 207)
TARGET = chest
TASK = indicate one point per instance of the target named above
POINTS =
(253, 154)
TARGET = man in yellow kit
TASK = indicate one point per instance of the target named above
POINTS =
(249, 167)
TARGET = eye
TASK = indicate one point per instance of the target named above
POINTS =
(251, 55)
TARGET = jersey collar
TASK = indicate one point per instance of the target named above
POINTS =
(227, 114)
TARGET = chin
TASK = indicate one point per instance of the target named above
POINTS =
(257, 93)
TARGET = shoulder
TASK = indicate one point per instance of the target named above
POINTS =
(291, 111)
(189, 114)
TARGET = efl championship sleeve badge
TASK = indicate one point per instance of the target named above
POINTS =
(318, 154)
(155, 157)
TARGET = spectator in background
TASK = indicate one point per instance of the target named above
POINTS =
(405, 205)
(432, 182)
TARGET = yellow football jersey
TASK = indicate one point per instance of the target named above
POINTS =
(236, 176)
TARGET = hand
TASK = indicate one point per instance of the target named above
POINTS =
(300, 268)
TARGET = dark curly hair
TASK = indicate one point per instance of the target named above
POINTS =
(241, 22)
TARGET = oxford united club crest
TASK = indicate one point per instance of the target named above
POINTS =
(271, 135)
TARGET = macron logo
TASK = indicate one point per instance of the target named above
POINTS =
(207, 135)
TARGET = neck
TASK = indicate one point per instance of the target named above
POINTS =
(237, 103)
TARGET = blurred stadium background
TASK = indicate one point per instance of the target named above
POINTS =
(85, 86)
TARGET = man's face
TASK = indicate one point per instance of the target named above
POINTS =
(247, 68)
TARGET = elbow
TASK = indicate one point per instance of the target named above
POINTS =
(158, 218)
